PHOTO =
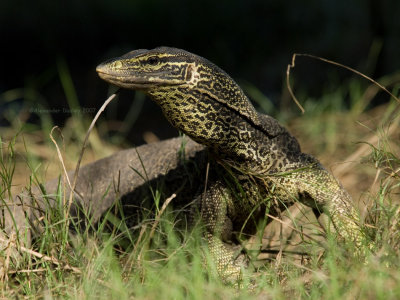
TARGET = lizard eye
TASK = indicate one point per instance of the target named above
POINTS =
(153, 60)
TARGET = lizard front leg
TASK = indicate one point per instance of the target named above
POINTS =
(213, 208)
(314, 186)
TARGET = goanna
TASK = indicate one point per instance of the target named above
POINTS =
(258, 165)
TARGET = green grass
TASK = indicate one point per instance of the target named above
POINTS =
(116, 262)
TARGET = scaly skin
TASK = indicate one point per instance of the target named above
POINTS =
(257, 165)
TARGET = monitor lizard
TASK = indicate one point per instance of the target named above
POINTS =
(256, 165)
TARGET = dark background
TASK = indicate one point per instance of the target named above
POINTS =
(252, 40)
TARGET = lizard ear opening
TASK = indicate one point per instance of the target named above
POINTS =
(189, 73)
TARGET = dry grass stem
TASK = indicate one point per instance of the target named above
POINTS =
(39, 255)
(71, 196)
(28, 271)
(293, 228)
(292, 65)
(157, 219)
(60, 157)
(290, 88)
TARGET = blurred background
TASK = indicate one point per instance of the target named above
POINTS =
(252, 40)
(50, 50)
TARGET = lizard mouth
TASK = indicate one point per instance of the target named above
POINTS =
(126, 79)
(121, 79)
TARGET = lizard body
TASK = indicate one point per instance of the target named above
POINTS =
(255, 160)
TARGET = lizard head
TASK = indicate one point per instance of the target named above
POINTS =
(149, 69)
